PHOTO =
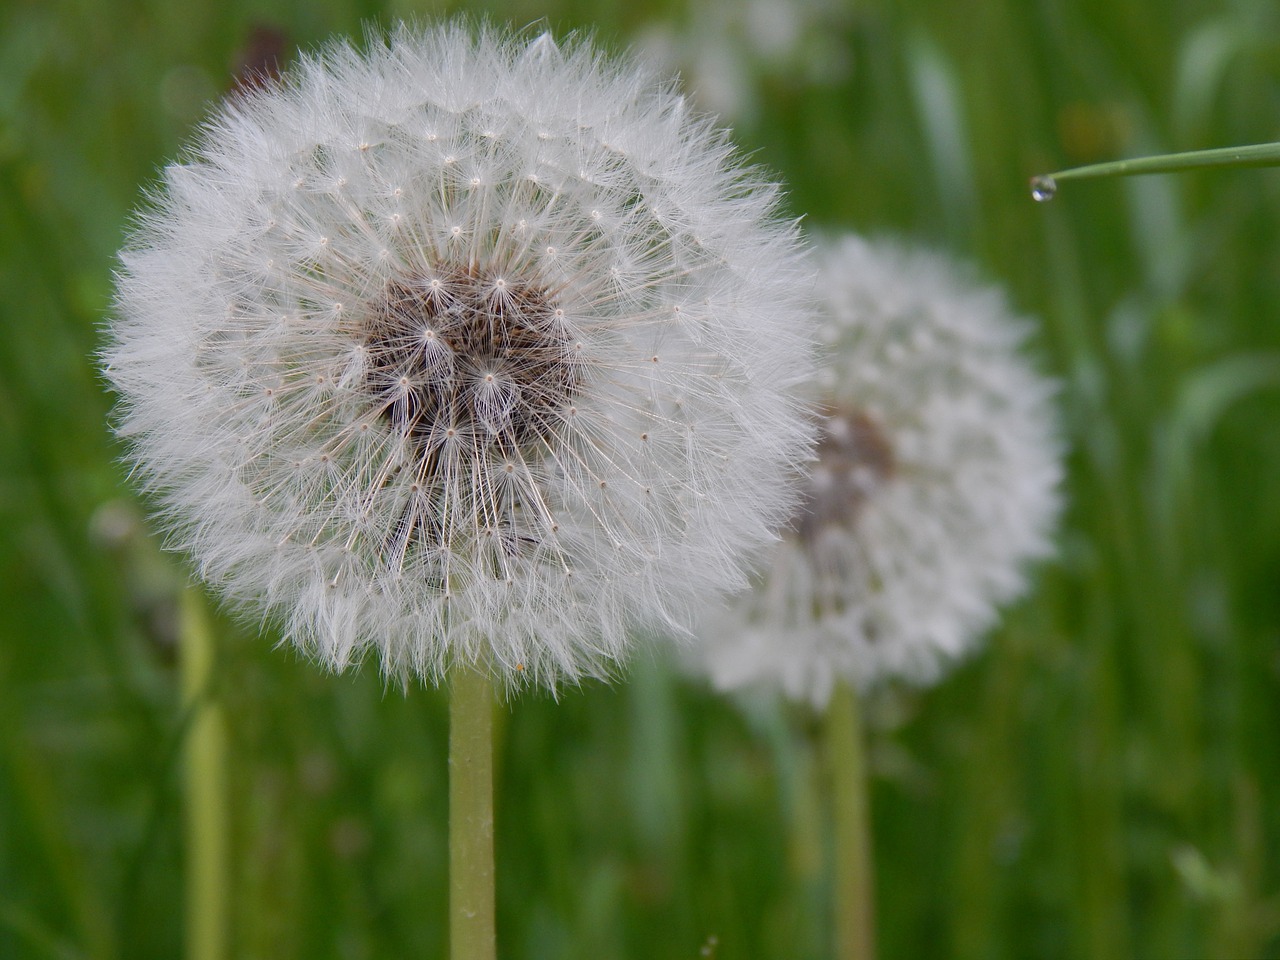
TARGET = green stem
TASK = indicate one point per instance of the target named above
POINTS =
(1256, 155)
(205, 769)
(1044, 186)
(471, 900)
(854, 895)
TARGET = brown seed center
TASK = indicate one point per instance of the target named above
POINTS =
(470, 354)
(855, 459)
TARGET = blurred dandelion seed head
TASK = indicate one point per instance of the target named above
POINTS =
(469, 347)
(936, 481)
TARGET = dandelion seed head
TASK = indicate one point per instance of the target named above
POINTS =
(935, 482)
(412, 435)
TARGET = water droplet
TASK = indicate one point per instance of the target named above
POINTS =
(1043, 189)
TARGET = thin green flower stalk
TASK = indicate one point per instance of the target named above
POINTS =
(1045, 186)
(206, 833)
(472, 933)
(855, 935)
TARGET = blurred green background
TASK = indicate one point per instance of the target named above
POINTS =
(1103, 781)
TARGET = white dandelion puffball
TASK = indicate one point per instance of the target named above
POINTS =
(936, 481)
(467, 348)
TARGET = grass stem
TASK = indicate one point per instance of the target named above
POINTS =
(1044, 186)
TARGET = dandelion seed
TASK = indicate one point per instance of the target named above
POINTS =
(936, 481)
(395, 441)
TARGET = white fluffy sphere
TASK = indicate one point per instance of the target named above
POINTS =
(464, 348)
(936, 481)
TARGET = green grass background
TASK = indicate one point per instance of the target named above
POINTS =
(1103, 781)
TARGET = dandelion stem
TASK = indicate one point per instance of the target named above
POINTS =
(854, 898)
(205, 771)
(471, 899)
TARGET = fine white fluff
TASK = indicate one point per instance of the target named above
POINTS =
(523, 535)
(956, 490)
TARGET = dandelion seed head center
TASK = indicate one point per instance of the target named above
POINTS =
(483, 357)
(855, 459)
